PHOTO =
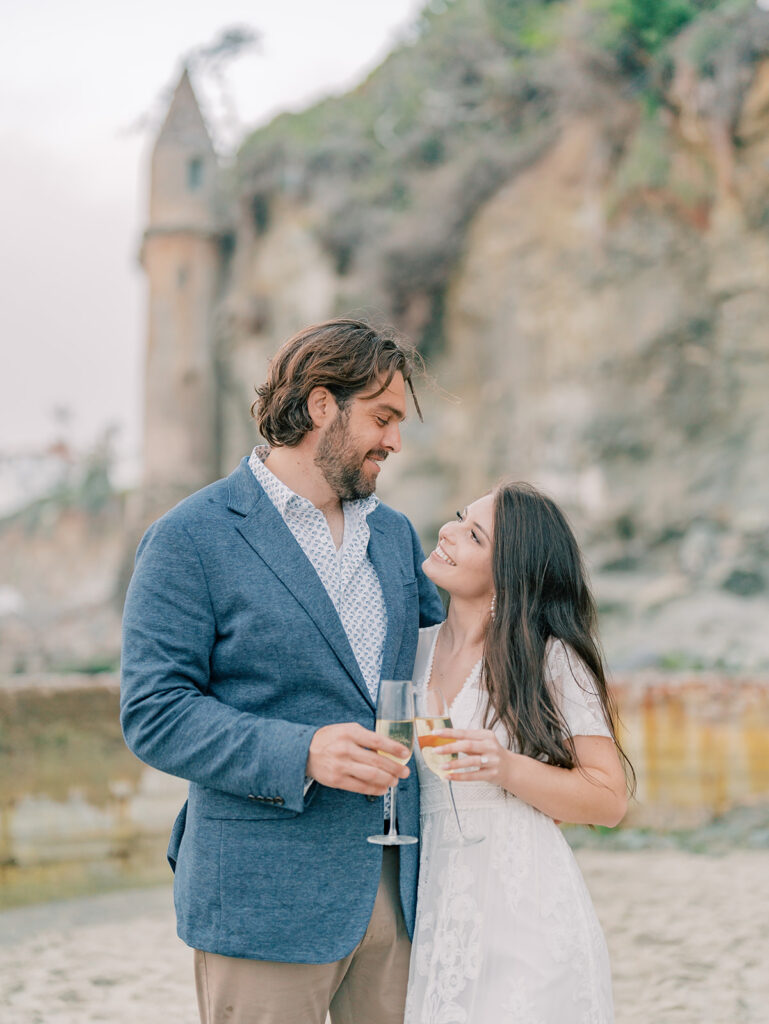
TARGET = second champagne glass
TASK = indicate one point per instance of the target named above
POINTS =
(395, 719)
(432, 713)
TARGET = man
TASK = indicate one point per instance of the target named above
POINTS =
(262, 613)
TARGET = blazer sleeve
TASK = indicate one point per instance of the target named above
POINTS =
(431, 609)
(169, 718)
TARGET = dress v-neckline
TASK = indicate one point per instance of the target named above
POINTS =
(473, 676)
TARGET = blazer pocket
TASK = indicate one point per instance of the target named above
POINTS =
(255, 812)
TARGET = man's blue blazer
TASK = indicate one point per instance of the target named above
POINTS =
(233, 656)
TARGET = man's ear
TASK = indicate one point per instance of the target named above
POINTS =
(322, 407)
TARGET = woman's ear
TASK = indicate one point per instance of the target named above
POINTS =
(322, 407)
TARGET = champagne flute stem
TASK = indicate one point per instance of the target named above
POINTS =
(393, 829)
(454, 807)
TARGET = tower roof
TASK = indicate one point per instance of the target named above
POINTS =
(184, 183)
(184, 126)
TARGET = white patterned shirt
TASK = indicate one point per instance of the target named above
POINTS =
(347, 575)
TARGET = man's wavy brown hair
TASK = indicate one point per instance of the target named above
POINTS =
(346, 356)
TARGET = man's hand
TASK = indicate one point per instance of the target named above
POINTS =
(345, 757)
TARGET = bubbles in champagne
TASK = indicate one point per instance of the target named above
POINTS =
(400, 731)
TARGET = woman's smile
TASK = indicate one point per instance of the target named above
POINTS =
(441, 554)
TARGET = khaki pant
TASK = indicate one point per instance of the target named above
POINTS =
(367, 987)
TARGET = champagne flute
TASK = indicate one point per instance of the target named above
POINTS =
(395, 719)
(432, 713)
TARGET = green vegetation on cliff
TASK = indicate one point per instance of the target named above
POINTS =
(476, 92)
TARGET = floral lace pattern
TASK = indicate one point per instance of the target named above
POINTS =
(455, 960)
(505, 931)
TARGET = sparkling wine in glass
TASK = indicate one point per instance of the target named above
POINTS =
(432, 713)
(430, 746)
(395, 719)
(401, 732)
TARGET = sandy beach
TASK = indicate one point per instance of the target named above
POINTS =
(688, 934)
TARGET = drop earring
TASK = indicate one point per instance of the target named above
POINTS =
(493, 609)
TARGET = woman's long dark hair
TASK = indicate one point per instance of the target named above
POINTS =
(541, 593)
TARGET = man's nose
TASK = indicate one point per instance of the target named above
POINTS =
(392, 438)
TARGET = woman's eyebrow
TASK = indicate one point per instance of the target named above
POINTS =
(481, 529)
(478, 527)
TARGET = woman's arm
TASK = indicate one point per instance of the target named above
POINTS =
(595, 793)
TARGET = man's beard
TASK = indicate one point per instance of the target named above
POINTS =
(341, 464)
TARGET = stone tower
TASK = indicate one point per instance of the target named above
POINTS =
(181, 254)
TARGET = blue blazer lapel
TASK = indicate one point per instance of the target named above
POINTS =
(265, 531)
(387, 566)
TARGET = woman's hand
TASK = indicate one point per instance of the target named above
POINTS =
(594, 793)
(484, 760)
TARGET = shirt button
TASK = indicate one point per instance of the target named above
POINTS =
(372, 799)
(279, 801)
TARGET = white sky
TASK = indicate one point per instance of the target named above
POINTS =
(74, 77)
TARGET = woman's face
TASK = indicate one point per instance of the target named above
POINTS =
(461, 561)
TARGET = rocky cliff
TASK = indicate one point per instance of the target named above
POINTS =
(566, 206)
(571, 218)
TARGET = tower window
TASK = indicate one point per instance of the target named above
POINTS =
(194, 173)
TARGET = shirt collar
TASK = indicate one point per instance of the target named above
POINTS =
(285, 500)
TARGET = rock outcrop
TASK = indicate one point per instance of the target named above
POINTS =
(584, 260)
(571, 220)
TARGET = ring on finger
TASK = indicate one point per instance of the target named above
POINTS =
(484, 759)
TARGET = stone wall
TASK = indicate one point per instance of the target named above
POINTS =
(79, 813)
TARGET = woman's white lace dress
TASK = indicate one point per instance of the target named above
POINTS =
(505, 930)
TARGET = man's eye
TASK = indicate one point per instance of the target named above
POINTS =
(381, 422)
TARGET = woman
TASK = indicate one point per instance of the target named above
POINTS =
(505, 929)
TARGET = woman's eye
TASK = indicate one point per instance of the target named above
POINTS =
(473, 534)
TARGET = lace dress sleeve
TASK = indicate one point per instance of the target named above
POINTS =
(574, 690)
